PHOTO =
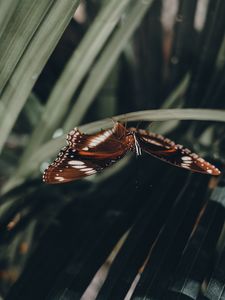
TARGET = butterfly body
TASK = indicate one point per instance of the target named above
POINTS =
(89, 154)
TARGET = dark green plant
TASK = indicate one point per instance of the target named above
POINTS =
(149, 230)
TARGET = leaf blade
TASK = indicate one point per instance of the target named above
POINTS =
(28, 69)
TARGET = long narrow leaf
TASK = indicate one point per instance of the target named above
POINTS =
(7, 9)
(32, 62)
(106, 62)
(75, 70)
(23, 24)
(173, 99)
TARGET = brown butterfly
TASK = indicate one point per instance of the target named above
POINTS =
(88, 154)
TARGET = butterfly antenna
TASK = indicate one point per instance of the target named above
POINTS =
(114, 121)
(138, 124)
(125, 124)
(149, 124)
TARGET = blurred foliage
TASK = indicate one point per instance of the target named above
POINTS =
(142, 229)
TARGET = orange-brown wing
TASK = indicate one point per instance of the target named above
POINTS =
(70, 165)
(87, 154)
(172, 153)
(101, 144)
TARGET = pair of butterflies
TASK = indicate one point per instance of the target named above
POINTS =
(89, 154)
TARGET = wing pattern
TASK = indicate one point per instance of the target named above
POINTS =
(86, 154)
(175, 154)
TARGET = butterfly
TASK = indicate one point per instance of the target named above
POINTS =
(87, 154)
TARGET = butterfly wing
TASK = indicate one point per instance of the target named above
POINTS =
(87, 154)
(166, 150)
(102, 144)
(70, 165)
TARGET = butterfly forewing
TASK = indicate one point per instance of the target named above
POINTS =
(104, 143)
(175, 154)
(87, 154)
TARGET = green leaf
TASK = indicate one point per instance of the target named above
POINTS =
(75, 70)
(7, 9)
(33, 110)
(31, 63)
(174, 98)
(106, 62)
(25, 20)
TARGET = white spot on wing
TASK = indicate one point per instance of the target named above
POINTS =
(154, 142)
(185, 166)
(99, 139)
(78, 167)
(107, 133)
(201, 160)
(91, 172)
(86, 169)
(186, 158)
(59, 178)
(76, 162)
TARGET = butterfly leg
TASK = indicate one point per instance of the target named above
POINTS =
(137, 145)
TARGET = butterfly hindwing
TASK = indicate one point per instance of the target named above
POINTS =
(166, 150)
(69, 165)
